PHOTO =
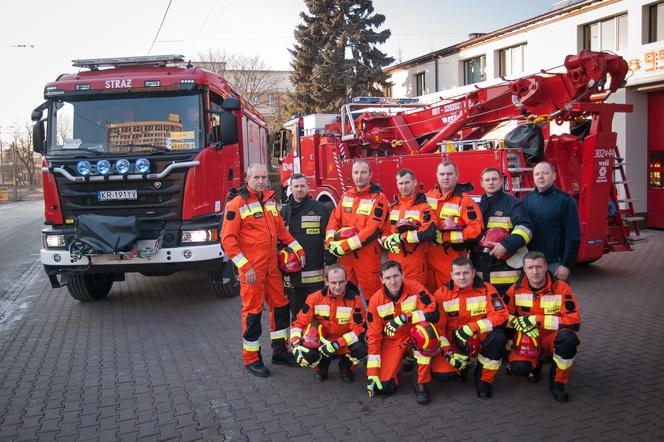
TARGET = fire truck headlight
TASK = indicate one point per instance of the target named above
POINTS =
(54, 241)
(122, 166)
(142, 165)
(84, 167)
(103, 167)
(193, 236)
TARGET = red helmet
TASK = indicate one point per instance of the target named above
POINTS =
(493, 235)
(311, 336)
(452, 223)
(407, 224)
(526, 346)
(345, 233)
(288, 260)
(424, 338)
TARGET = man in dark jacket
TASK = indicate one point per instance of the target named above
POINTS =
(305, 219)
(556, 219)
(499, 261)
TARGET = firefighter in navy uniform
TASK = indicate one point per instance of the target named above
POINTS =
(499, 257)
(305, 219)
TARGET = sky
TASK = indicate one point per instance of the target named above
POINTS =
(39, 38)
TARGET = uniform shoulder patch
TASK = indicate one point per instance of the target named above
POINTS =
(378, 212)
(471, 213)
(230, 215)
(425, 298)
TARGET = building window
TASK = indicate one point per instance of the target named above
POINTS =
(512, 60)
(606, 35)
(387, 89)
(474, 70)
(420, 84)
(656, 19)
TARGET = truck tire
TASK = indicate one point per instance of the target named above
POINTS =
(225, 283)
(85, 288)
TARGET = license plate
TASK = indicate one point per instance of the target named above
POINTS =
(110, 195)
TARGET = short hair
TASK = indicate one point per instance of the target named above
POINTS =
(461, 261)
(533, 254)
(491, 169)
(363, 162)
(390, 264)
(253, 166)
(297, 176)
(449, 163)
(403, 172)
(551, 166)
(334, 268)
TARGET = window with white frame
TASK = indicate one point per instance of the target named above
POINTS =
(420, 83)
(474, 70)
(656, 22)
(512, 60)
(606, 35)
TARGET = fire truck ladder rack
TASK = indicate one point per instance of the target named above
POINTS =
(518, 175)
(626, 214)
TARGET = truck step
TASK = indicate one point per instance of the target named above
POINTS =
(621, 182)
(627, 200)
(520, 169)
(523, 189)
(632, 219)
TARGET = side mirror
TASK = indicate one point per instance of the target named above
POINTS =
(228, 128)
(36, 114)
(231, 104)
(38, 137)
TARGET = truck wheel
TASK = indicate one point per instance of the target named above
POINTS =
(225, 283)
(93, 287)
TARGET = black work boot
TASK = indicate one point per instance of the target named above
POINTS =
(536, 374)
(258, 369)
(558, 390)
(322, 369)
(408, 363)
(282, 357)
(483, 388)
(345, 370)
(422, 394)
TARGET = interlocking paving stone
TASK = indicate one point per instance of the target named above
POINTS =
(160, 360)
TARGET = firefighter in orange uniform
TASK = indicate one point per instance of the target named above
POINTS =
(364, 208)
(544, 309)
(249, 235)
(338, 309)
(472, 317)
(459, 223)
(408, 228)
(393, 310)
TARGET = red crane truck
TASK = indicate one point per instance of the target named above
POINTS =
(139, 156)
(467, 129)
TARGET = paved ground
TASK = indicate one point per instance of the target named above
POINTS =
(160, 360)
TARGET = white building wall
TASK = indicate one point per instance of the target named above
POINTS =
(547, 44)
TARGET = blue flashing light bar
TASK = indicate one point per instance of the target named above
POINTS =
(384, 100)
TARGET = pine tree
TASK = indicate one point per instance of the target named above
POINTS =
(335, 56)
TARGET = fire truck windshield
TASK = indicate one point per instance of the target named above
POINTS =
(125, 125)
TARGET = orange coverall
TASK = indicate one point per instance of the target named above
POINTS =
(385, 352)
(249, 235)
(365, 210)
(558, 319)
(342, 317)
(481, 307)
(412, 255)
(451, 244)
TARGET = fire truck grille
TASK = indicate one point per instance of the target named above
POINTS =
(159, 200)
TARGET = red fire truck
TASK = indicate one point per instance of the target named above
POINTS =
(139, 155)
(566, 110)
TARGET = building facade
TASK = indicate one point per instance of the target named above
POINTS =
(633, 29)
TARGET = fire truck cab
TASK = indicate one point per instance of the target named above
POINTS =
(139, 154)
